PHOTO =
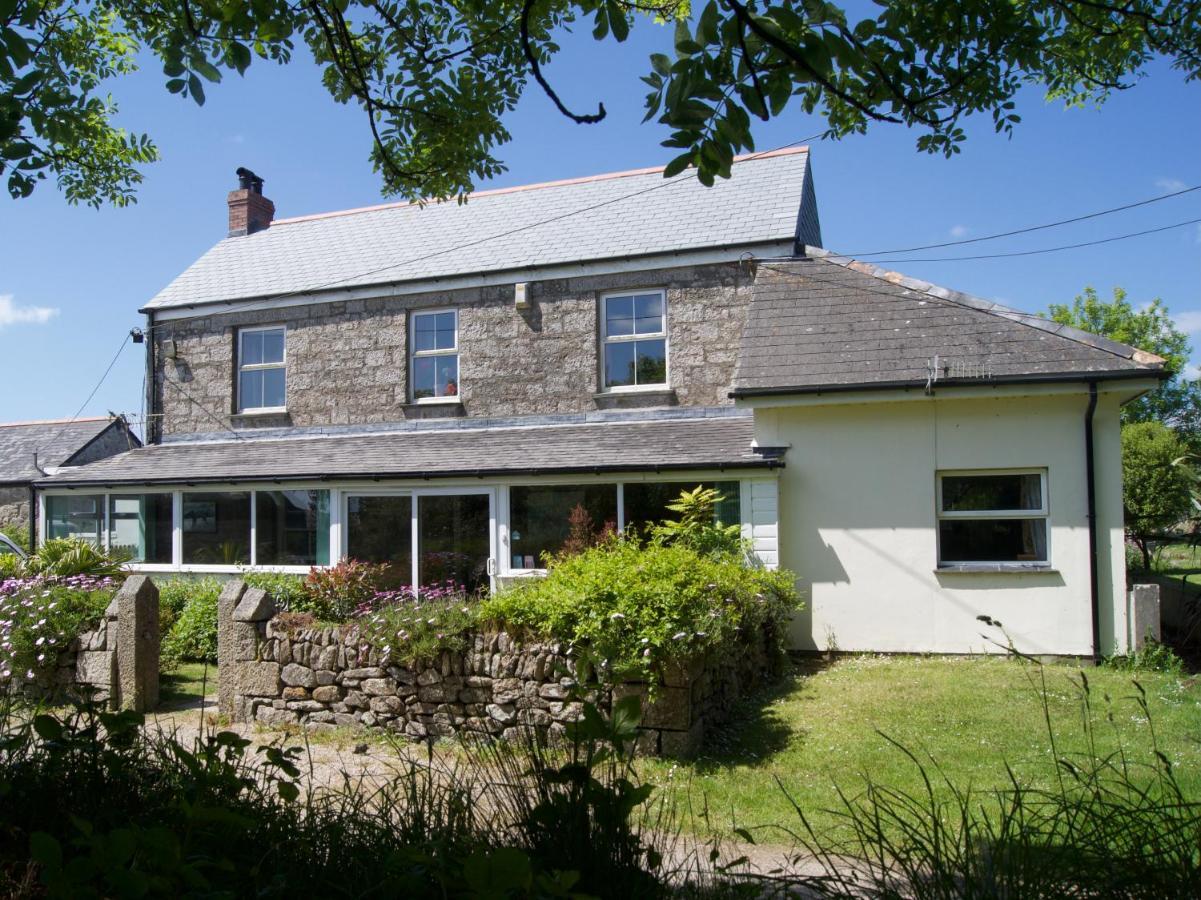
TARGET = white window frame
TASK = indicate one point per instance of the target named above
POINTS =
(415, 354)
(243, 409)
(415, 495)
(1043, 512)
(606, 339)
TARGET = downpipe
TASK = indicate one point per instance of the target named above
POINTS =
(1091, 476)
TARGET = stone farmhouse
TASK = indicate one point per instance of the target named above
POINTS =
(444, 387)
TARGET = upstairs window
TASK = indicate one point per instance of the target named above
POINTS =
(634, 340)
(434, 369)
(262, 371)
(992, 517)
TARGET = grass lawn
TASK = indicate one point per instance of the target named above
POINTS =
(187, 684)
(1180, 561)
(819, 727)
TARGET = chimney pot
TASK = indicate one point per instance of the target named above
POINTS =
(249, 210)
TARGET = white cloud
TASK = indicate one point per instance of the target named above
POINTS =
(1189, 321)
(1170, 185)
(1192, 372)
(958, 231)
(11, 314)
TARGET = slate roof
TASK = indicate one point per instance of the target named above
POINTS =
(770, 198)
(824, 322)
(54, 441)
(701, 443)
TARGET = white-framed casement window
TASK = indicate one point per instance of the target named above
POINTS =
(993, 517)
(262, 370)
(634, 340)
(434, 356)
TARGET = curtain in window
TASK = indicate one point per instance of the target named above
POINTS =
(1034, 531)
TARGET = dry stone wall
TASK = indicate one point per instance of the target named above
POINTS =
(116, 662)
(325, 678)
(14, 506)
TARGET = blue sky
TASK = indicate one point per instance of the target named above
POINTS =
(72, 279)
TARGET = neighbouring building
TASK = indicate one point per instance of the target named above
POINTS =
(31, 450)
(447, 388)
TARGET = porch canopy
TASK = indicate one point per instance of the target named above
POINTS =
(711, 443)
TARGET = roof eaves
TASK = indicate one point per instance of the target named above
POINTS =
(745, 393)
(760, 462)
(447, 282)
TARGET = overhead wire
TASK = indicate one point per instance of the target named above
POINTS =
(1028, 229)
(83, 405)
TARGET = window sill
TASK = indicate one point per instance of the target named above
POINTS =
(438, 401)
(1012, 568)
(635, 397)
(262, 411)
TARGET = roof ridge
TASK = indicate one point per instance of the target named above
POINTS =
(520, 188)
(960, 298)
(57, 421)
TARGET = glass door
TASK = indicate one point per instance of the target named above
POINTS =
(379, 529)
(454, 542)
(439, 540)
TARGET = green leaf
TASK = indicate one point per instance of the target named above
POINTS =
(196, 90)
(45, 851)
(618, 21)
(48, 728)
(677, 165)
(499, 873)
(706, 29)
(175, 85)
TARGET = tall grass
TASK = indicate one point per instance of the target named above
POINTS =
(1108, 826)
(94, 805)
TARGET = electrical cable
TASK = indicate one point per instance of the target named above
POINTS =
(1027, 230)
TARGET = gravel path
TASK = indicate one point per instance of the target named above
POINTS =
(367, 762)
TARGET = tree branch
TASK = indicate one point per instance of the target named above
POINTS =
(536, 68)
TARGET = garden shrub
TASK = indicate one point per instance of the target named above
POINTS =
(696, 527)
(193, 635)
(406, 629)
(18, 534)
(11, 565)
(70, 556)
(40, 616)
(97, 806)
(288, 591)
(337, 593)
(642, 607)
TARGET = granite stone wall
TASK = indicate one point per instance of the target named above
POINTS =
(14, 506)
(325, 678)
(348, 361)
(113, 440)
(116, 662)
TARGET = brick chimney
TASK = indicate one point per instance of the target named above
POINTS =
(249, 210)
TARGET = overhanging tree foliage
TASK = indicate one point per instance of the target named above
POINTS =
(1155, 492)
(1177, 403)
(436, 77)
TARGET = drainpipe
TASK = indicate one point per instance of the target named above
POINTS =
(33, 519)
(149, 427)
(1091, 476)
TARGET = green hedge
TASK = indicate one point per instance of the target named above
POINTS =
(641, 607)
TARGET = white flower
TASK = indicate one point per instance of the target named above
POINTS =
(646, 652)
(679, 636)
(617, 616)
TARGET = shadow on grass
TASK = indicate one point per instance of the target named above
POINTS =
(755, 731)
(187, 687)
